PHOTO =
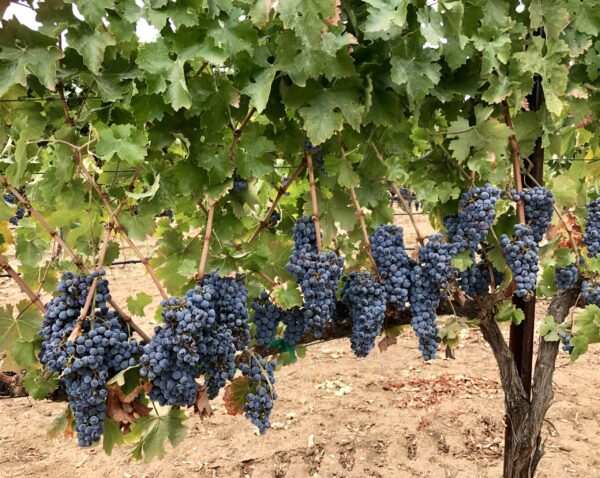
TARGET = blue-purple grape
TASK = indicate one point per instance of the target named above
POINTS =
(566, 277)
(591, 238)
(393, 263)
(366, 301)
(521, 253)
(259, 401)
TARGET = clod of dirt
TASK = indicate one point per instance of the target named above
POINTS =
(337, 387)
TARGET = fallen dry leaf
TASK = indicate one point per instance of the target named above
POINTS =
(386, 342)
(202, 404)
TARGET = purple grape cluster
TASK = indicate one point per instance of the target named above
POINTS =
(590, 291)
(566, 277)
(11, 200)
(267, 316)
(393, 263)
(318, 276)
(539, 206)
(475, 280)
(366, 301)
(230, 306)
(476, 216)
(274, 218)
(239, 185)
(565, 340)
(521, 253)
(295, 325)
(259, 401)
(591, 238)
(451, 225)
(317, 156)
(170, 361)
(104, 348)
(430, 279)
(200, 335)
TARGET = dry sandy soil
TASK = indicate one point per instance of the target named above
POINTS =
(397, 417)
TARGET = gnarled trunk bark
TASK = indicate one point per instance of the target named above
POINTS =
(526, 416)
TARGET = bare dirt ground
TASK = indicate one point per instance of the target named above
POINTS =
(389, 415)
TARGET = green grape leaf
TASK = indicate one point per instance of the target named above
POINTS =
(488, 136)
(112, 253)
(150, 434)
(128, 379)
(260, 89)
(38, 386)
(385, 18)
(35, 53)
(17, 324)
(24, 352)
(587, 330)
(164, 74)
(450, 333)
(138, 226)
(325, 110)
(305, 17)
(563, 257)
(549, 329)
(564, 190)
(551, 15)
(123, 140)
(136, 305)
(416, 69)
(149, 192)
(112, 436)
(94, 11)
(90, 44)
(462, 261)
(507, 311)
(288, 295)
(585, 17)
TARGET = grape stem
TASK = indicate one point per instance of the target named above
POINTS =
(118, 226)
(280, 193)
(202, 68)
(14, 275)
(74, 257)
(363, 227)
(108, 228)
(237, 133)
(206, 246)
(271, 282)
(515, 153)
(313, 195)
(403, 203)
(61, 93)
(7, 379)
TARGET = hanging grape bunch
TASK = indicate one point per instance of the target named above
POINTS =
(429, 280)
(103, 349)
(267, 316)
(317, 274)
(591, 238)
(11, 200)
(366, 299)
(393, 263)
(259, 401)
(521, 252)
(566, 277)
(539, 206)
(239, 185)
(476, 216)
